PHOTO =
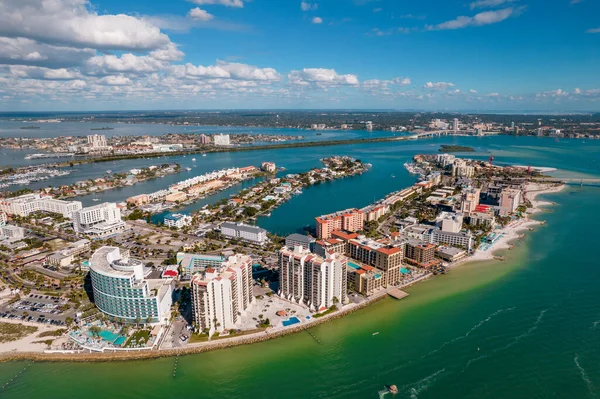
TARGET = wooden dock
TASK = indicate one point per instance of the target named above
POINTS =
(397, 294)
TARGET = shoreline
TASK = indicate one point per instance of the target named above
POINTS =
(511, 232)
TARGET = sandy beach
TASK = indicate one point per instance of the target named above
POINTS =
(30, 343)
(512, 231)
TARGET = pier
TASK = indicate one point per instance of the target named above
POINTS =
(397, 293)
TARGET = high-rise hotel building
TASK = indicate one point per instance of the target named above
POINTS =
(221, 295)
(121, 290)
(312, 280)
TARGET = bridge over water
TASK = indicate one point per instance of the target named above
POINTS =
(573, 181)
(439, 133)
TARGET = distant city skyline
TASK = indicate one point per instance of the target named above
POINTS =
(478, 55)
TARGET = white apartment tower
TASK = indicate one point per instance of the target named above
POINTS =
(97, 140)
(312, 280)
(221, 295)
(98, 221)
(221, 139)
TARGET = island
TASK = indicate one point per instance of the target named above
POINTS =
(448, 148)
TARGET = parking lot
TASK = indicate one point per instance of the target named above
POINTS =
(37, 308)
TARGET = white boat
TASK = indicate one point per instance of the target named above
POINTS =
(375, 333)
(193, 159)
(188, 169)
(203, 155)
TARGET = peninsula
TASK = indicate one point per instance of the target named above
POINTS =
(458, 210)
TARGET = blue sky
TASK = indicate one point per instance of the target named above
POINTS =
(392, 54)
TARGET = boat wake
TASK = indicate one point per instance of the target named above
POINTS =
(594, 325)
(585, 377)
(515, 341)
(475, 327)
(424, 384)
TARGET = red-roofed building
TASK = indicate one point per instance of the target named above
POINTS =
(348, 219)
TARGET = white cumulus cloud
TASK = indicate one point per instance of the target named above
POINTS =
(72, 23)
(321, 77)
(317, 20)
(200, 15)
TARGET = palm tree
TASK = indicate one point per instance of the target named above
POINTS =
(95, 330)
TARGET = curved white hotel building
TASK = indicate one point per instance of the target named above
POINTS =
(122, 292)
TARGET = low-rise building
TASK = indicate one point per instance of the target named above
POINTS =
(299, 240)
(11, 232)
(460, 239)
(450, 254)
(138, 200)
(195, 263)
(364, 279)
(177, 220)
(66, 256)
(268, 167)
(252, 234)
(176, 196)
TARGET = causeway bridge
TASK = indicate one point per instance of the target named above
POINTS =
(439, 133)
(572, 181)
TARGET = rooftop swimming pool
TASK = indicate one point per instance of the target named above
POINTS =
(353, 265)
(291, 321)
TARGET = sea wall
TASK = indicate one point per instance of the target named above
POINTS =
(190, 349)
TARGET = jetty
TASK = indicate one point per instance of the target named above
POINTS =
(397, 293)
